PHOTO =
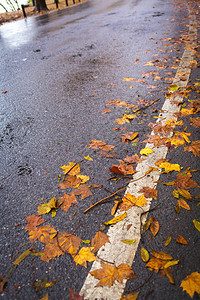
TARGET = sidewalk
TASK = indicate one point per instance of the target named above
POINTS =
(14, 15)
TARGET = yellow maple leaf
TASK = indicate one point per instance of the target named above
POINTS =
(169, 167)
(130, 200)
(84, 178)
(88, 158)
(191, 284)
(121, 121)
(84, 255)
(146, 151)
(71, 169)
(47, 207)
(173, 122)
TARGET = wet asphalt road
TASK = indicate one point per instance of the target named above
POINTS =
(58, 71)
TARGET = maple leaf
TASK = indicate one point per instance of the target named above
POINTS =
(146, 151)
(156, 263)
(83, 178)
(95, 144)
(130, 200)
(66, 201)
(132, 159)
(183, 181)
(191, 284)
(109, 273)
(47, 207)
(194, 147)
(71, 169)
(106, 147)
(43, 234)
(99, 240)
(33, 222)
(129, 136)
(74, 295)
(174, 123)
(156, 140)
(83, 190)
(88, 158)
(169, 167)
(149, 192)
(122, 169)
(195, 122)
(84, 255)
(70, 182)
(121, 121)
(179, 139)
(154, 227)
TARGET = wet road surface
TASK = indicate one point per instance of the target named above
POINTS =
(59, 71)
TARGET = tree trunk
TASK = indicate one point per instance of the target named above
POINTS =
(41, 5)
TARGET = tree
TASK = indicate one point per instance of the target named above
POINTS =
(41, 5)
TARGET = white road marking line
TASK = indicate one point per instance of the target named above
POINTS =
(116, 251)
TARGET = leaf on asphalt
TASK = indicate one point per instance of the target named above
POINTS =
(70, 182)
(47, 207)
(186, 194)
(74, 295)
(128, 242)
(174, 123)
(146, 225)
(183, 181)
(22, 256)
(67, 201)
(117, 102)
(132, 296)
(168, 240)
(116, 219)
(130, 200)
(83, 191)
(195, 122)
(171, 263)
(161, 255)
(109, 273)
(183, 203)
(43, 283)
(154, 227)
(46, 297)
(105, 111)
(99, 240)
(168, 273)
(169, 167)
(191, 284)
(179, 138)
(43, 234)
(84, 255)
(129, 79)
(132, 159)
(196, 224)
(71, 169)
(129, 136)
(194, 147)
(146, 151)
(95, 144)
(33, 222)
(156, 263)
(181, 240)
(88, 158)
(149, 192)
(60, 244)
(144, 254)
(122, 169)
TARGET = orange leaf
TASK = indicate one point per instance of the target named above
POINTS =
(194, 147)
(156, 263)
(83, 256)
(183, 204)
(105, 111)
(71, 169)
(43, 234)
(154, 227)
(67, 201)
(161, 255)
(132, 296)
(181, 240)
(195, 122)
(83, 190)
(33, 221)
(70, 182)
(95, 144)
(132, 159)
(74, 295)
(99, 240)
(130, 200)
(191, 284)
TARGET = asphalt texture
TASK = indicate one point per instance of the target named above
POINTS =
(60, 70)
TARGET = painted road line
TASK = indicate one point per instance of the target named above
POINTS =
(116, 251)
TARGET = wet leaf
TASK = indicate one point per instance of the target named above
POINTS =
(129, 136)
(186, 194)
(183, 203)
(95, 144)
(47, 207)
(43, 234)
(146, 151)
(144, 254)
(71, 169)
(168, 240)
(161, 255)
(99, 240)
(22, 256)
(156, 263)
(146, 225)
(46, 297)
(196, 224)
(194, 147)
(84, 255)
(169, 167)
(132, 296)
(83, 190)
(181, 240)
(67, 201)
(88, 158)
(168, 273)
(105, 111)
(130, 200)
(116, 219)
(191, 284)
(74, 295)
(154, 227)
(128, 242)
(132, 159)
(109, 273)
(175, 193)
(70, 182)
(171, 263)
(33, 222)
(149, 192)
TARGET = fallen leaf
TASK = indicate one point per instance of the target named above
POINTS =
(43, 234)
(88, 158)
(194, 147)
(144, 254)
(195, 122)
(171, 263)
(181, 240)
(130, 200)
(122, 169)
(186, 194)
(146, 151)
(84, 255)
(47, 207)
(132, 159)
(129, 136)
(105, 111)
(46, 297)
(116, 219)
(70, 182)
(154, 227)
(95, 144)
(66, 201)
(169, 167)
(168, 273)
(183, 203)
(129, 79)
(196, 224)
(132, 296)
(128, 242)
(43, 283)
(156, 263)
(71, 169)
(99, 240)
(83, 178)
(33, 222)
(83, 190)
(191, 284)
(22, 256)
(161, 255)
(74, 295)
(168, 240)
(149, 192)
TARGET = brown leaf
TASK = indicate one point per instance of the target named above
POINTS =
(95, 144)
(74, 295)
(194, 147)
(43, 234)
(156, 263)
(122, 169)
(70, 182)
(183, 203)
(168, 273)
(33, 222)
(107, 147)
(3, 282)
(129, 136)
(161, 255)
(149, 192)
(130, 200)
(195, 122)
(154, 227)
(67, 201)
(83, 190)
(132, 159)
(132, 296)
(184, 181)
(181, 240)
(99, 240)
